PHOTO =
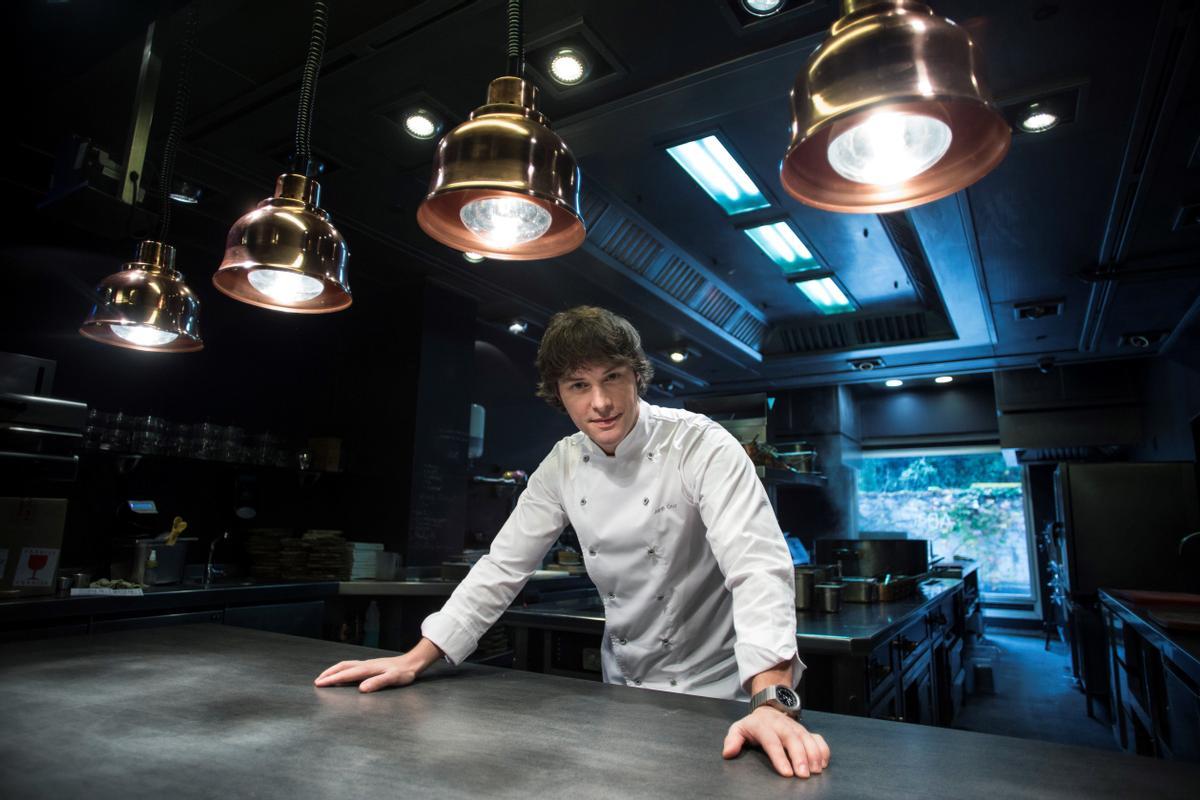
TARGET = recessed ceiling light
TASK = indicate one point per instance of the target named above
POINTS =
(893, 383)
(185, 193)
(1038, 119)
(762, 8)
(719, 174)
(421, 124)
(678, 356)
(568, 66)
(517, 327)
(783, 246)
(943, 379)
(474, 258)
(827, 296)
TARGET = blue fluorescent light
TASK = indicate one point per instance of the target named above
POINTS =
(827, 296)
(783, 246)
(719, 174)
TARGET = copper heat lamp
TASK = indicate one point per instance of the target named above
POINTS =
(146, 306)
(286, 254)
(504, 185)
(890, 112)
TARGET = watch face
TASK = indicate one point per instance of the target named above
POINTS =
(787, 697)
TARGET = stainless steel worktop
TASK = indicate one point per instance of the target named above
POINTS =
(855, 630)
(210, 711)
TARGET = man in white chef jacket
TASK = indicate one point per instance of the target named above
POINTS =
(677, 534)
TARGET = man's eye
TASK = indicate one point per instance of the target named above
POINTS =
(579, 387)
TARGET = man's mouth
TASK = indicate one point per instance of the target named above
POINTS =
(607, 421)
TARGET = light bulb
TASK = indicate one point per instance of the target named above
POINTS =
(1038, 121)
(678, 356)
(762, 8)
(568, 67)
(420, 125)
(285, 286)
(893, 383)
(143, 336)
(473, 258)
(889, 148)
(505, 221)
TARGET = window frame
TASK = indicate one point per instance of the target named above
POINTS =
(1003, 605)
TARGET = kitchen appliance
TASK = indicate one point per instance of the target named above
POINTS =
(40, 438)
(1119, 526)
(875, 558)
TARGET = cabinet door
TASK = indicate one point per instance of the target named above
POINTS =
(1181, 726)
(887, 707)
(918, 703)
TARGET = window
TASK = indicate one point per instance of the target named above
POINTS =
(967, 503)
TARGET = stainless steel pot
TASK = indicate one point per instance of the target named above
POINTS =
(828, 597)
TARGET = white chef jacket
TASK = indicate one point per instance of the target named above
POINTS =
(678, 536)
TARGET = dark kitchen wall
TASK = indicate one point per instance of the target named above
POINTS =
(963, 411)
(1172, 405)
(521, 428)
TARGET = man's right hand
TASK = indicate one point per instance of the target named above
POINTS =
(379, 673)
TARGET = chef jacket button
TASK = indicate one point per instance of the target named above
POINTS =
(587, 459)
(673, 681)
(650, 550)
(591, 551)
(583, 501)
(666, 642)
(637, 681)
(645, 501)
(650, 456)
(621, 640)
(612, 596)
(659, 597)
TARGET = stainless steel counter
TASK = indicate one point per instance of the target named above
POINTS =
(205, 711)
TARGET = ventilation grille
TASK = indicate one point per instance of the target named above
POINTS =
(749, 330)
(843, 335)
(592, 207)
(900, 328)
(632, 246)
(679, 280)
(642, 253)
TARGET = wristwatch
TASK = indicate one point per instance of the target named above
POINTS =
(781, 698)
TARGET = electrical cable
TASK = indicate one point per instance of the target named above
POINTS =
(178, 116)
(308, 87)
(516, 44)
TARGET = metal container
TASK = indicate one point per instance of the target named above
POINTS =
(155, 563)
(63, 587)
(805, 580)
(828, 597)
(874, 558)
(808, 576)
(860, 590)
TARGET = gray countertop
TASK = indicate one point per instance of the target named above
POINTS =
(210, 711)
(157, 599)
(855, 630)
(1181, 647)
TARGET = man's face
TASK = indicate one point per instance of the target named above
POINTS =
(602, 401)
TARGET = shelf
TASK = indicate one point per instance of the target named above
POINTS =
(786, 477)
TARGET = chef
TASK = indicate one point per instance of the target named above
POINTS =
(677, 535)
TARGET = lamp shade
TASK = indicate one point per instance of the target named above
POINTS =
(891, 112)
(286, 254)
(504, 185)
(146, 306)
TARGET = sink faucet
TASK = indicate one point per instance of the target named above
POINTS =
(208, 566)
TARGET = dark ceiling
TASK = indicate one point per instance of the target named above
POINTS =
(1086, 216)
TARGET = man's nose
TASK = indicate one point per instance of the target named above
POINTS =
(601, 400)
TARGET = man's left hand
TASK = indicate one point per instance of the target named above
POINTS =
(792, 749)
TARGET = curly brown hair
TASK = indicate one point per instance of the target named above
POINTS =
(587, 335)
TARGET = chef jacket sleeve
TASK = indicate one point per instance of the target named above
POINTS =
(494, 581)
(749, 548)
